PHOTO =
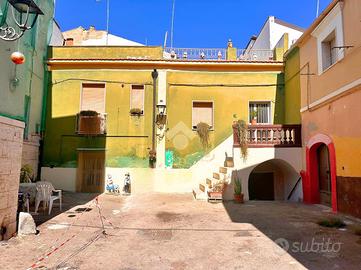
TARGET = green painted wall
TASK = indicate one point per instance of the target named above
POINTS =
(292, 87)
(30, 75)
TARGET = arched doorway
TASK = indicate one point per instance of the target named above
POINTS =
(274, 179)
(319, 179)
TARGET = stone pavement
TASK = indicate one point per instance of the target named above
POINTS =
(170, 231)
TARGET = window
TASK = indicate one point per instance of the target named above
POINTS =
(329, 52)
(137, 97)
(261, 110)
(329, 36)
(202, 111)
(93, 97)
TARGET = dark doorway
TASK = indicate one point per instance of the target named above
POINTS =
(324, 176)
(261, 186)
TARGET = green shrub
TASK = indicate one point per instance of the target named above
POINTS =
(332, 223)
(88, 113)
(26, 174)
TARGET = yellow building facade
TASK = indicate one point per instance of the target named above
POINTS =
(135, 86)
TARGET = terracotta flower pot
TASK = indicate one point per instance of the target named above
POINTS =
(254, 122)
(239, 198)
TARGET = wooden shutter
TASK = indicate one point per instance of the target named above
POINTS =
(137, 97)
(93, 97)
(202, 112)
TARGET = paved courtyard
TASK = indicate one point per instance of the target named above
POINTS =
(169, 231)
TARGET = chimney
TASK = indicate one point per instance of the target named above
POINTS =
(69, 42)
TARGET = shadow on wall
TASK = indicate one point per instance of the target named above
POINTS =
(61, 143)
(61, 139)
(279, 109)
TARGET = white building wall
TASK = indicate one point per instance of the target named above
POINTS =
(272, 32)
(215, 159)
(277, 31)
(263, 39)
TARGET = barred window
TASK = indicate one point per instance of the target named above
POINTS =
(261, 111)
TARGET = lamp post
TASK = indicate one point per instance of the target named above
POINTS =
(25, 8)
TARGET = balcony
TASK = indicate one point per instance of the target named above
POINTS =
(270, 136)
(220, 54)
(91, 124)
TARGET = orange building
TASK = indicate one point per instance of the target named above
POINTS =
(330, 81)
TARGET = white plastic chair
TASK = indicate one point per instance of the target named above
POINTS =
(44, 193)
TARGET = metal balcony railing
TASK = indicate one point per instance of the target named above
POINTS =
(270, 136)
(216, 54)
(195, 53)
(91, 125)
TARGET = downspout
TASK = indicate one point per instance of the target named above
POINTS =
(154, 76)
(45, 94)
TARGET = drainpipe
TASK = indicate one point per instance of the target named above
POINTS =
(154, 76)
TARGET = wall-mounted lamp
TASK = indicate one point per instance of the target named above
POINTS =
(24, 8)
(161, 108)
(161, 118)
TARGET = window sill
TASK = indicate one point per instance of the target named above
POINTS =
(195, 129)
(330, 67)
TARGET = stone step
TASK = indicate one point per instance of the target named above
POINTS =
(202, 187)
(199, 194)
(216, 176)
(223, 170)
(211, 181)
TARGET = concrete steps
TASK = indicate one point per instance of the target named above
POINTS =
(199, 195)
(200, 192)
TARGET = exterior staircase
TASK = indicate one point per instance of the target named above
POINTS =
(201, 191)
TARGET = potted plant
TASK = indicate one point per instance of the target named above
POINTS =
(152, 158)
(136, 112)
(26, 174)
(89, 113)
(254, 115)
(238, 195)
(203, 133)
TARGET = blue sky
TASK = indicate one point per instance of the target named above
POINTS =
(198, 23)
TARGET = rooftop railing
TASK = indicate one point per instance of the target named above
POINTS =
(196, 53)
(255, 55)
(216, 54)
